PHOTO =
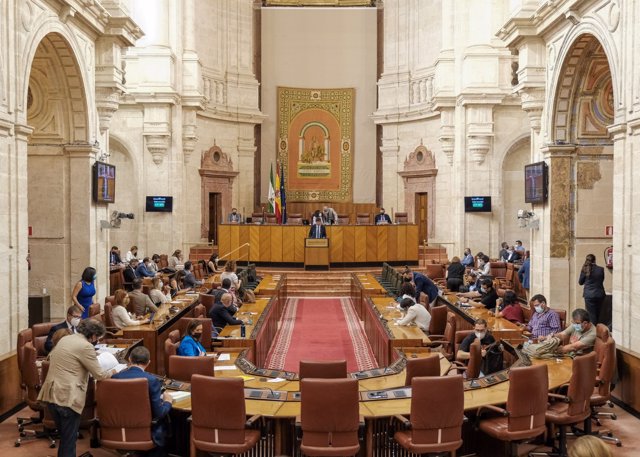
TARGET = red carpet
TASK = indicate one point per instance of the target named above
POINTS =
(320, 329)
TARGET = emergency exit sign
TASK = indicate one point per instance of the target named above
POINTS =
(608, 230)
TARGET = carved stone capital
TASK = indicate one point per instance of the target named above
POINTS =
(158, 146)
(532, 101)
(447, 144)
(189, 141)
(479, 146)
(107, 102)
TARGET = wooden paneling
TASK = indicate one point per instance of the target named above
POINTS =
(348, 243)
(10, 394)
(628, 387)
(308, 208)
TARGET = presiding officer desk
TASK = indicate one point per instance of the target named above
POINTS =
(348, 244)
(279, 402)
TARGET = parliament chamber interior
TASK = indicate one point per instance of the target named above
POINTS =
(319, 228)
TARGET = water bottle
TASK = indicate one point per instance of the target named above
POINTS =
(243, 331)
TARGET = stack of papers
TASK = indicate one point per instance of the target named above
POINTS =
(109, 362)
(179, 395)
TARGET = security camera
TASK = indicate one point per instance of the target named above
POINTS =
(524, 214)
(125, 215)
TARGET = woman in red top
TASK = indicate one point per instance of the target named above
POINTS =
(510, 308)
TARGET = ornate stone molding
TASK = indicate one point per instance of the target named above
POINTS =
(479, 146)
(158, 146)
(532, 100)
(107, 102)
(189, 137)
(447, 136)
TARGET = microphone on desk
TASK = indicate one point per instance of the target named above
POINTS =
(273, 394)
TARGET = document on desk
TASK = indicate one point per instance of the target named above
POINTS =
(179, 395)
(224, 357)
(224, 367)
(276, 380)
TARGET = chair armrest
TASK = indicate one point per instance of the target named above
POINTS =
(563, 398)
(491, 408)
(252, 420)
(431, 337)
(453, 367)
(403, 420)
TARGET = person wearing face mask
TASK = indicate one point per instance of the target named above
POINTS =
(544, 320)
(144, 269)
(160, 292)
(84, 292)
(484, 268)
(480, 332)
(581, 334)
(382, 218)
(234, 217)
(190, 344)
(422, 284)
(119, 312)
(504, 252)
(64, 389)
(74, 316)
(467, 260)
(487, 295)
(415, 313)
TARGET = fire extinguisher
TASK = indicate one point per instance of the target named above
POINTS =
(608, 257)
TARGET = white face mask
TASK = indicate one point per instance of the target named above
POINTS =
(480, 262)
(539, 309)
(75, 321)
(480, 335)
(160, 284)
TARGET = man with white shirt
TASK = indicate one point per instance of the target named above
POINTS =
(74, 316)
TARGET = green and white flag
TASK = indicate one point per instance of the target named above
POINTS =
(272, 194)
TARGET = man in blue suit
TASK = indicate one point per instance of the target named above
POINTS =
(160, 402)
(423, 284)
(318, 230)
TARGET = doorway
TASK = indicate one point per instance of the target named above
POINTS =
(215, 215)
(421, 214)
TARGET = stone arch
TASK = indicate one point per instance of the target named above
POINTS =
(60, 42)
(510, 175)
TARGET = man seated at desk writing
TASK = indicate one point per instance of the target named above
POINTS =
(415, 313)
(221, 314)
(544, 321)
(480, 332)
(581, 334)
(160, 402)
(487, 295)
(140, 301)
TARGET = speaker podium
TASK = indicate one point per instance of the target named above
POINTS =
(316, 254)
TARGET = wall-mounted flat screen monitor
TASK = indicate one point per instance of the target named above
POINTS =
(104, 183)
(159, 204)
(477, 204)
(536, 180)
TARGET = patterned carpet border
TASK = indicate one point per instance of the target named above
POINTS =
(361, 347)
(280, 347)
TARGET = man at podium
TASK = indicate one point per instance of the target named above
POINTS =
(318, 230)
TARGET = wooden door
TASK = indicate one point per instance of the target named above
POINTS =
(422, 200)
(215, 215)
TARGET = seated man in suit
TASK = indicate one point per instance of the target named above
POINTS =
(140, 302)
(234, 216)
(145, 270)
(221, 315)
(130, 273)
(318, 230)
(189, 279)
(382, 218)
(74, 316)
(160, 402)
(114, 256)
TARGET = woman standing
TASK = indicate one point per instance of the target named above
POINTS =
(592, 278)
(455, 274)
(84, 291)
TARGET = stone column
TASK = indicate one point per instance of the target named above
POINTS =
(392, 183)
(244, 184)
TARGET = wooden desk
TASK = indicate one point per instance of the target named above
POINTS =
(154, 334)
(349, 243)
(316, 252)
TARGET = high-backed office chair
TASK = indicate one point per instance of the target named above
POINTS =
(294, 219)
(524, 415)
(460, 336)
(472, 369)
(124, 414)
(207, 329)
(40, 334)
(256, 218)
(208, 301)
(438, 321)
(94, 310)
(573, 407)
(401, 218)
(218, 416)
(171, 347)
(200, 311)
(323, 369)
(271, 219)
(329, 419)
(605, 349)
(32, 382)
(446, 340)
(182, 368)
(343, 219)
(363, 218)
(24, 336)
(164, 261)
(425, 366)
(431, 432)
(562, 314)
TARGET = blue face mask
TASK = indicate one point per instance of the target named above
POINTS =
(539, 309)
(577, 327)
(95, 277)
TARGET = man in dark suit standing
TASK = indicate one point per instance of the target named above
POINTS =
(318, 230)
(160, 402)
(592, 278)
(382, 218)
(74, 316)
